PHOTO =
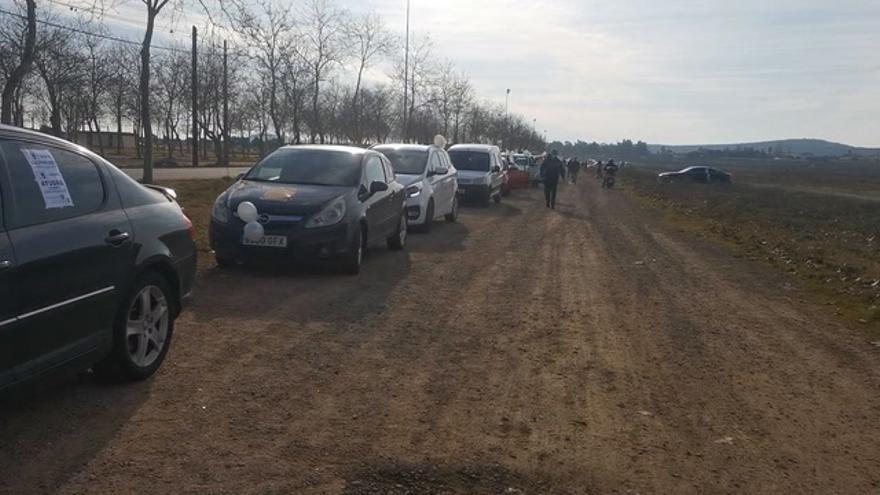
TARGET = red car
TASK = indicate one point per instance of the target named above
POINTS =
(517, 176)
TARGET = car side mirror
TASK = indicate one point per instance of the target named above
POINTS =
(440, 171)
(377, 187)
(240, 176)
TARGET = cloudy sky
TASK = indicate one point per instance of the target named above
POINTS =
(670, 71)
(665, 71)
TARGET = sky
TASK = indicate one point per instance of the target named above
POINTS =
(663, 71)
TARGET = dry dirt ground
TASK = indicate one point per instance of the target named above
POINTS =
(591, 349)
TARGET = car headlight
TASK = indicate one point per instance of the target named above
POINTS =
(330, 215)
(220, 211)
(413, 191)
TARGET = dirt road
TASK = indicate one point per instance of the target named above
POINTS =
(588, 350)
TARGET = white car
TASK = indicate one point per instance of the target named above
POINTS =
(430, 180)
(481, 171)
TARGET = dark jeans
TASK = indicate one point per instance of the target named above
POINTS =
(550, 192)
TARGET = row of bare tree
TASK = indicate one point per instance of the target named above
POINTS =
(296, 72)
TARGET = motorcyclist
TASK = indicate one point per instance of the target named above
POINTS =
(610, 171)
(551, 170)
(599, 167)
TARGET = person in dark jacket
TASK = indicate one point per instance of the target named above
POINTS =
(551, 170)
(574, 166)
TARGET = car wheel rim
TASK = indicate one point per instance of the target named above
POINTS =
(147, 327)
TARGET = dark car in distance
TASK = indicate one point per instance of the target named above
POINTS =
(698, 174)
(94, 267)
(313, 203)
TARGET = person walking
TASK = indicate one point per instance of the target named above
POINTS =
(551, 171)
(574, 166)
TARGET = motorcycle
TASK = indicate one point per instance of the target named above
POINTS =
(608, 181)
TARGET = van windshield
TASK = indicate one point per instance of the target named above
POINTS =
(470, 160)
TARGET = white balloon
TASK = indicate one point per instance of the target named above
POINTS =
(247, 212)
(253, 231)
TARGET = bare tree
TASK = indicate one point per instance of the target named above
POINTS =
(121, 95)
(59, 66)
(370, 40)
(421, 76)
(171, 89)
(322, 46)
(24, 65)
(97, 77)
(154, 7)
(270, 36)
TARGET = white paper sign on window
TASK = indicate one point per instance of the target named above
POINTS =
(49, 178)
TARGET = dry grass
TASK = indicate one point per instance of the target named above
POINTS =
(830, 242)
(197, 197)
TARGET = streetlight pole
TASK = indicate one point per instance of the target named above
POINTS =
(507, 118)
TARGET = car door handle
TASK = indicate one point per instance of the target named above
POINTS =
(117, 238)
(5, 265)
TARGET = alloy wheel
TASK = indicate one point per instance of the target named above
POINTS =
(146, 331)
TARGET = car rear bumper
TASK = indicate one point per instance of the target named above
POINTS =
(302, 244)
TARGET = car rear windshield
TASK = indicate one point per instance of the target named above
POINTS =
(470, 160)
(521, 160)
(410, 162)
(309, 167)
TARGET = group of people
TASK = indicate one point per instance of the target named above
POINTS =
(553, 169)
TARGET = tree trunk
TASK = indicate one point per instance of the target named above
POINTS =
(118, 131)
(356, 114)
(100, 137)
(316, 119)
(54, 111)
(145, 96)
(24, 66)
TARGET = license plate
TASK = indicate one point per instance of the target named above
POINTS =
(274, 241)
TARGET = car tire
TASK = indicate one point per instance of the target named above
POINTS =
(487, 199)
(429, 217)
(452, 216)
(145, 322)
(353, 261)
(398, 241)
(497, 198)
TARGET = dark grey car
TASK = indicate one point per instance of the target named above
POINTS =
(94, 267)
(314, 203)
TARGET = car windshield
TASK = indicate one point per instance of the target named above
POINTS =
(470, 160)
(410, 162)
(308, 167)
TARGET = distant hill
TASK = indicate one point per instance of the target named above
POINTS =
(817, 147)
